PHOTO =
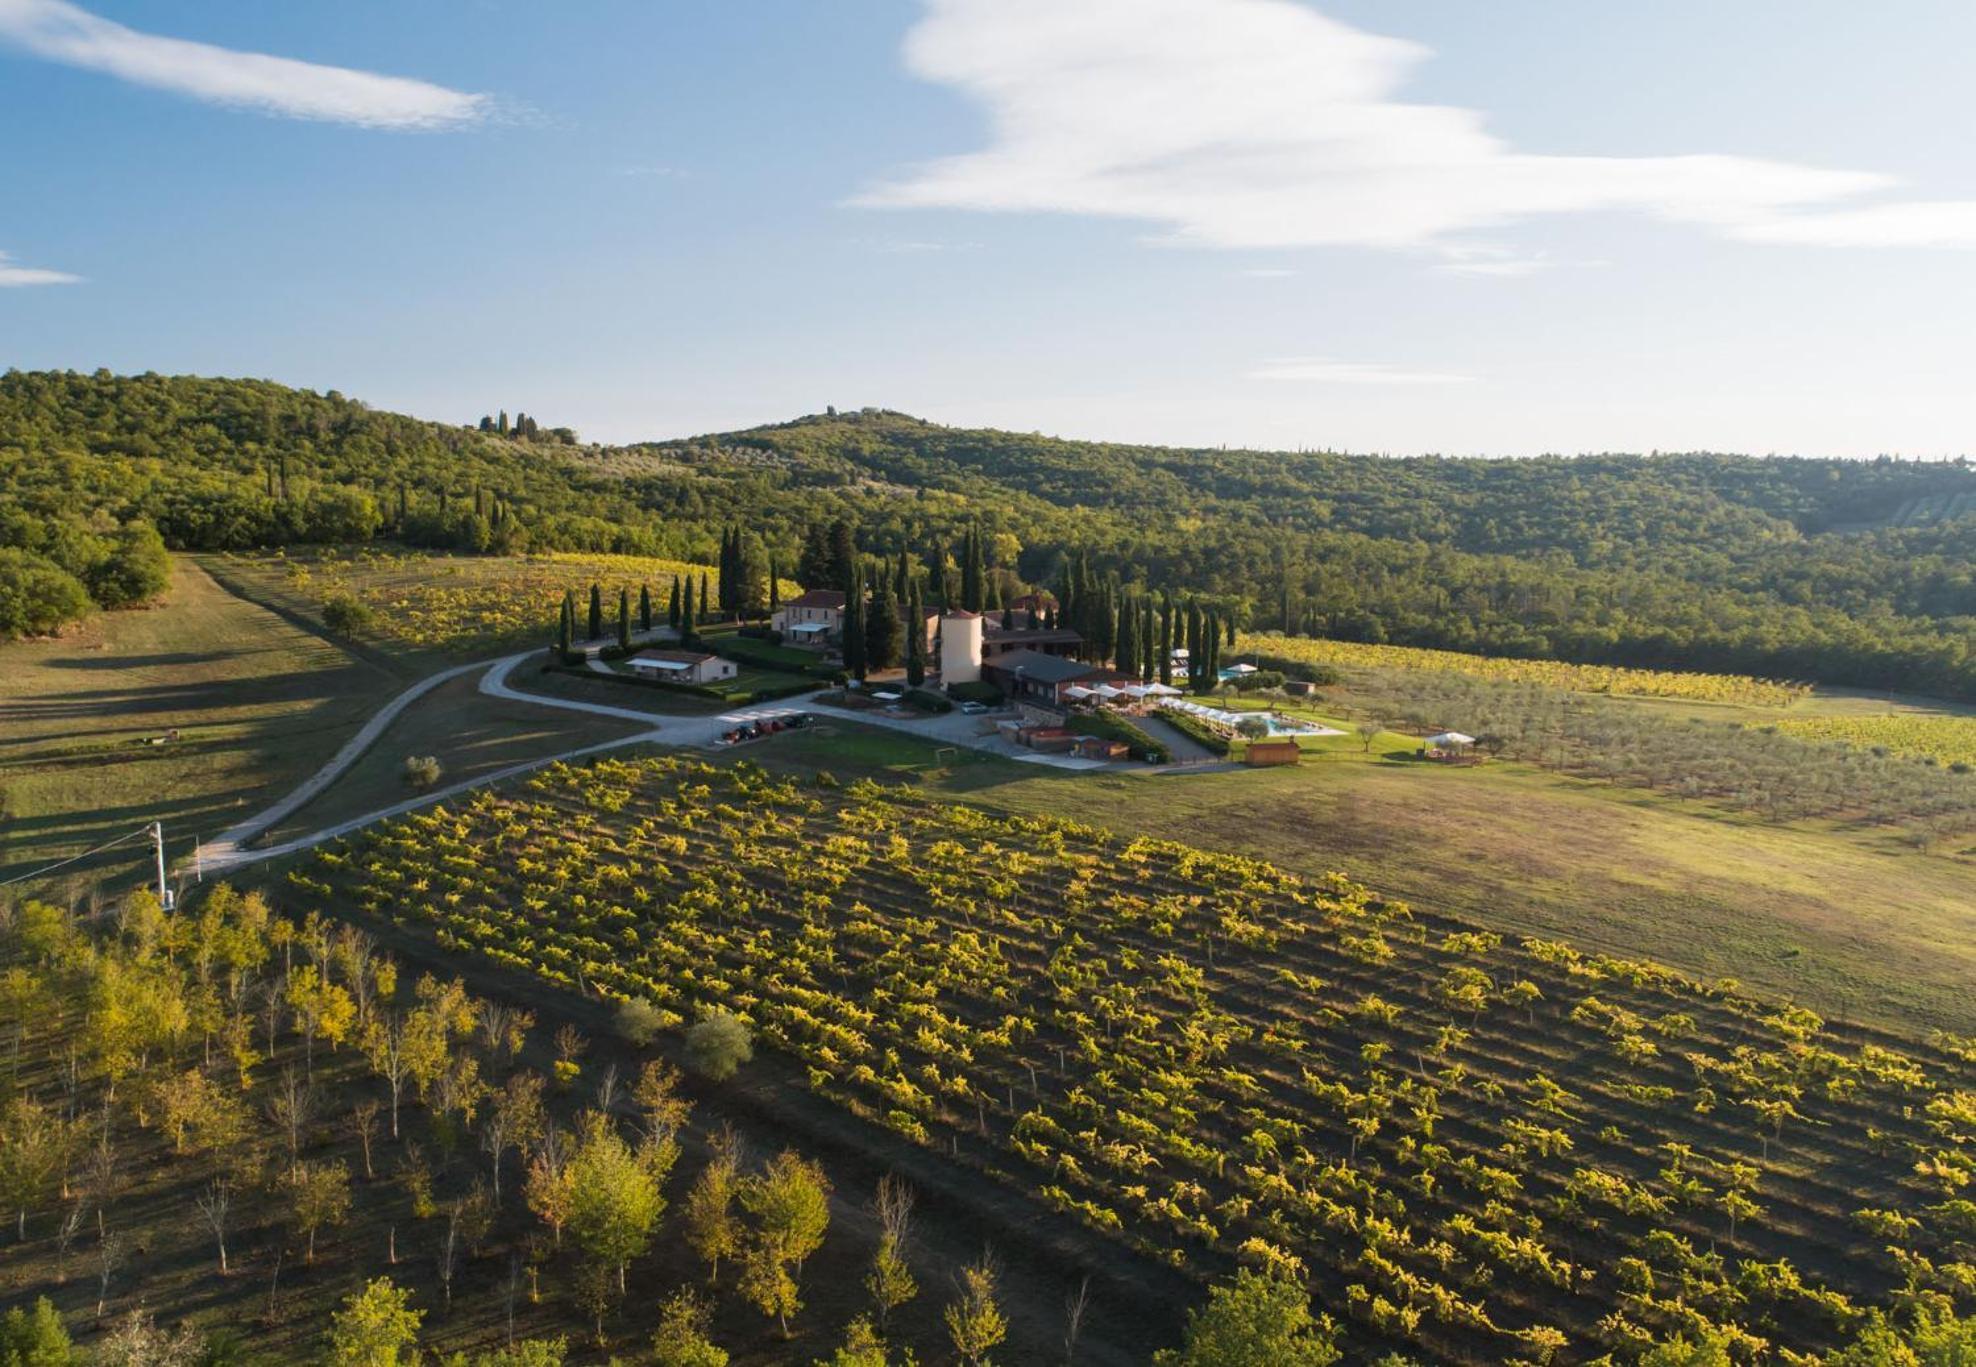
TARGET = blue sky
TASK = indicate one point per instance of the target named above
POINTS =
(1432, 226)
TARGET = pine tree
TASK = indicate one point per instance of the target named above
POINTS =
(813, 566)
(596, 612)
(624, 618)
(645, 607)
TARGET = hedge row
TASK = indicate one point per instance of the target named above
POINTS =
(1113, 727)
(1187, 724)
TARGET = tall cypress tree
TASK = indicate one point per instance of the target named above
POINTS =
(941, 598)
(624, 618)
(774, 588)
(1149, 643)
(1127, 659)
(644, 607)
(915, 640)
(704, 614)
(687, 634)
(854, 622)
(565, 626)
(596, 612)
(1166, 639)
(882, 629)
(672, 608)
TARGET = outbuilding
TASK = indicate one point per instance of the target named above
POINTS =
(682, 667)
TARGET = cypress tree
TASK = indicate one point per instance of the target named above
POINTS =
(565, 626)
(901, 578)
(624, 618)
(596, 612)
(1166, 639)
(672, 608)
(882, 629)
(1149, 644)
(854, 623)
(1127, 661)
(644, 607)
(915, 641)
(774, 588)
(686, 632)
(703, 596)
(843, 552)
(1008, 618)
(941, 599)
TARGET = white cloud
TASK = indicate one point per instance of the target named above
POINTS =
(1263, 124)
(1318, 370)
(15, 277)
(1268, 273)
(62, 32)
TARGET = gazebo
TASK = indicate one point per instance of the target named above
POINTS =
(1452, 742)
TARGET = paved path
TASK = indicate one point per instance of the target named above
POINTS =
(704, 731)
(1184, 748)
(230, 839)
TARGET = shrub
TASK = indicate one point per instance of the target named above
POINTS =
(1111, 726)
(1187, 724)
(718, 1044)
(345, 615)
(37, 596)
(422, 771)
(926, 700)
(979, 691)
(639, 1021)
(1255, 728)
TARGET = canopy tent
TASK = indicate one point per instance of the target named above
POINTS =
(1160, 690)
(1447, 740)
(1105, 690)
(1079, 692)
(1240, 669)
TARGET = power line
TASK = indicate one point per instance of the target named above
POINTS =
(138, 834)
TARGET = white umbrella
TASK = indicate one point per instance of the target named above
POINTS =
(1077, 691)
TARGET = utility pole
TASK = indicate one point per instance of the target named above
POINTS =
(158, 847)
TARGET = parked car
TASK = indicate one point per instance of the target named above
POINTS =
(974, 709)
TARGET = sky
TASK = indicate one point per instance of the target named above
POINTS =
(1401, 227)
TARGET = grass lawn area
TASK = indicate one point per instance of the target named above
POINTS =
(1850, 923)
(469, 733)
(258, 703)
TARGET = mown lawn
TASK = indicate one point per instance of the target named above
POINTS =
(258, 703)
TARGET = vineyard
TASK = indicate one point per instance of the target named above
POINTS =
(1481, 1150)
(1946, 740)
(1651, 683)
(483, 604)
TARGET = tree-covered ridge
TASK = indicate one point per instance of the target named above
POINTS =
(1704, 562)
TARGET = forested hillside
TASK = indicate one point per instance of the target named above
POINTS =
(1812, 569)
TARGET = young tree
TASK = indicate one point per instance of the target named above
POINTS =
(616, 1197)
(514, 1120)
(384, 1048)
(374, 1327)
(711, 1227)
(33, 1142)
(1258, 1320)
(975, 1322)
(661, 1109)
(790, 1205)
(215, 1205)
(362, 1125)
(37, 1338)
(318, 1194)
(681, 1340)
(550, 1190)
(890, 1280)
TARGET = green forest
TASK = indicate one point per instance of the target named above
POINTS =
(1825, 570)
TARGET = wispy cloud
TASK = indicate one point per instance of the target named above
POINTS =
(1319, 370)
(16, 277)
(1263, 124)
(66, 33)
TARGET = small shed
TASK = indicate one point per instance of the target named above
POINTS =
(1300, 688)
(1100, 747)
(682, 667)
(1274, 750)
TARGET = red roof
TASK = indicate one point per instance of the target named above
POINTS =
(818, 598)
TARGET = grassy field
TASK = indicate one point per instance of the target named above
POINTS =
(470, 734)
(435, 608)
(257, 702)
(1850, 923)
